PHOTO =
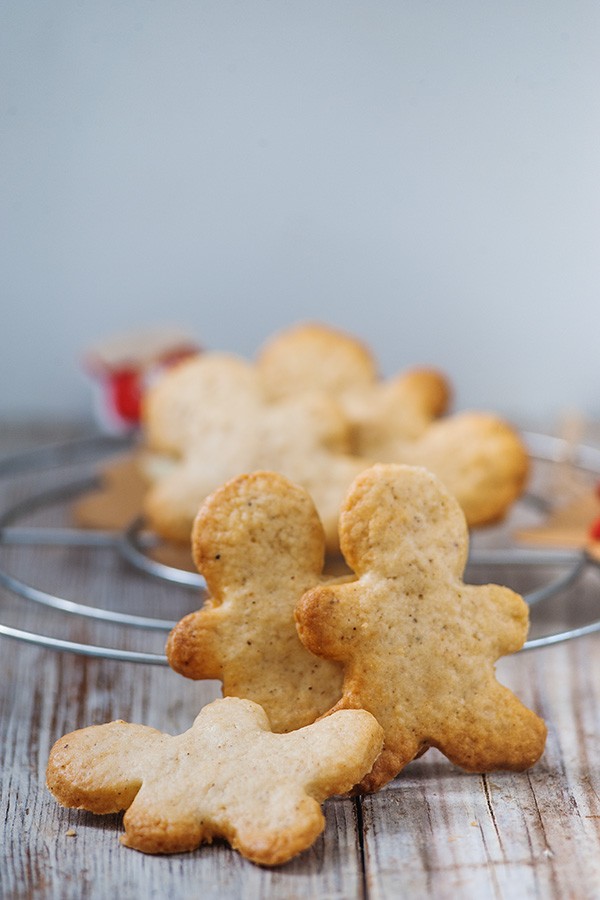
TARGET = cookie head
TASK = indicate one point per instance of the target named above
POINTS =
(313, 356)
(395, 517)
(195, 394)
(257, 529)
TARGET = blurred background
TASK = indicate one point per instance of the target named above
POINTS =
(422, 174)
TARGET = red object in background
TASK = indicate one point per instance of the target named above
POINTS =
(126, 390)
(127, 386)
(594, 529)
(123, 367)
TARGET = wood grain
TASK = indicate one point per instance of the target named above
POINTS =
(441, 833)
(433, 832)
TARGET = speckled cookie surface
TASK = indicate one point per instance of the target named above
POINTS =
(418, 645)
(259, 543)
(227, 777)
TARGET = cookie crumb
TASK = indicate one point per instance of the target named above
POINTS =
(71, 833)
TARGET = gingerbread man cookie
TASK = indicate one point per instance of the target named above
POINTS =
(259, 543)
(480, 459)
(313, 356)
(201, 394)
(478, 456)
(417, 644)
(212, 415)
(227, 777)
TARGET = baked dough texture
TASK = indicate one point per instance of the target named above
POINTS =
(418, 645)
(312, 356)
(212, 416)
(480, 459)
(313, 408)
(259, 544)
(227, 777)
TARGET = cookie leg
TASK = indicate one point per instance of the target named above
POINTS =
(158, 823)
(292, 825)
(495, 731)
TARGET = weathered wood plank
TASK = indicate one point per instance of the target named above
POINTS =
(442, 833)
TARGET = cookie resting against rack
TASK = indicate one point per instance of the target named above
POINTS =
(259, 544)
(227, 777)
(208, 420)
(417, 644)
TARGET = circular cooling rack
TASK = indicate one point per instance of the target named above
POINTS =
(562, 587)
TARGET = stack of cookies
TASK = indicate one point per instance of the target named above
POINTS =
(313, 407)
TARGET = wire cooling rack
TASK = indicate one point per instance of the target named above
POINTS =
(493, 554)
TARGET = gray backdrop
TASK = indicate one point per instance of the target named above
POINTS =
(424, 174)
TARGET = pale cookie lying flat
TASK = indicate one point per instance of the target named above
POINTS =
(222, 425)
(418, 645)
(314, 356)
(401, 408)
(227, 777)
(200, 395)
(259, 543)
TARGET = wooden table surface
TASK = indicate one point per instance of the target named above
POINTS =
(433, 832)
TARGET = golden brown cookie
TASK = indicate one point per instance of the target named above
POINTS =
(259, 544)
(417, 644)
(222, 425)
(227, 777)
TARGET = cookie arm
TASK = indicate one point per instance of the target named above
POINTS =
(338, 751)
(193, 645)
(510, 615)
(99, 768)
(328, 621)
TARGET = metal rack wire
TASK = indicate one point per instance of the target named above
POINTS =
(134, 546)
